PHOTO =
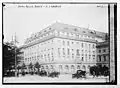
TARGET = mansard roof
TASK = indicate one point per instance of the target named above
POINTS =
(75, 29)
(61, 27)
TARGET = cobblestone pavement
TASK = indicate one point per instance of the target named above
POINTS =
(61, 78)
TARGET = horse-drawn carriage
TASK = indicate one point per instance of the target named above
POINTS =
(79, 74)
(49, 74)
(54, 74)
(43, 73)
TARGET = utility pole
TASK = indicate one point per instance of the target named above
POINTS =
(14, 41)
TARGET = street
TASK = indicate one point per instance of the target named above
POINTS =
(62, 78)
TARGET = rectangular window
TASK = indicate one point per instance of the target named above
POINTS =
(59, 52)
(42, 56)
(68, 51)
(25, 59)
(72, 42)
(86, 45)
(59, 41)
(48, 56)
(104, 58)
(72, 56)
(82, 51)
(104, 50)
(89, 56)
(100, 58)
(63, 51)
(94, 52)
(52, 54)
(89, 51)
(93, 46)
(77, 52)
(68, 43)
(86, 57)
(67, 34)
(82, 45)
(52, 59)
(72, 49)
(89, 45)
(82, 59)
(63, 42)
(99, 51)
(77, 42)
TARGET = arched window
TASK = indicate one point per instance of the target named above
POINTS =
(46, 67)
(88, 66)
(84, 68)
(51, 67)
(66, 67)
(72, 68)
(60, 68)
(42, 67)
(56, 32)
(78, 67)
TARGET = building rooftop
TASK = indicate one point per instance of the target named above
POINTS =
(61, 27)
(102, 44)
(74, 29)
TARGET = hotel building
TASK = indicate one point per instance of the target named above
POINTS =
(63, 48)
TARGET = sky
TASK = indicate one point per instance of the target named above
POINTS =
(26, 19)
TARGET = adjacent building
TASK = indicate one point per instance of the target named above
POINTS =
(64, 48)
(103, 54)
(21, 55)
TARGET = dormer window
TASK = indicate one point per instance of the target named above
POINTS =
(65, 33)
(79, 36)
(44, 30)
(84, 32)
(92, 32)
(42, 35)
(49, 28)
(50, 33)
(75, 29)
(66, 28)
(35, 36)
(71, 34)
(56, 32)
